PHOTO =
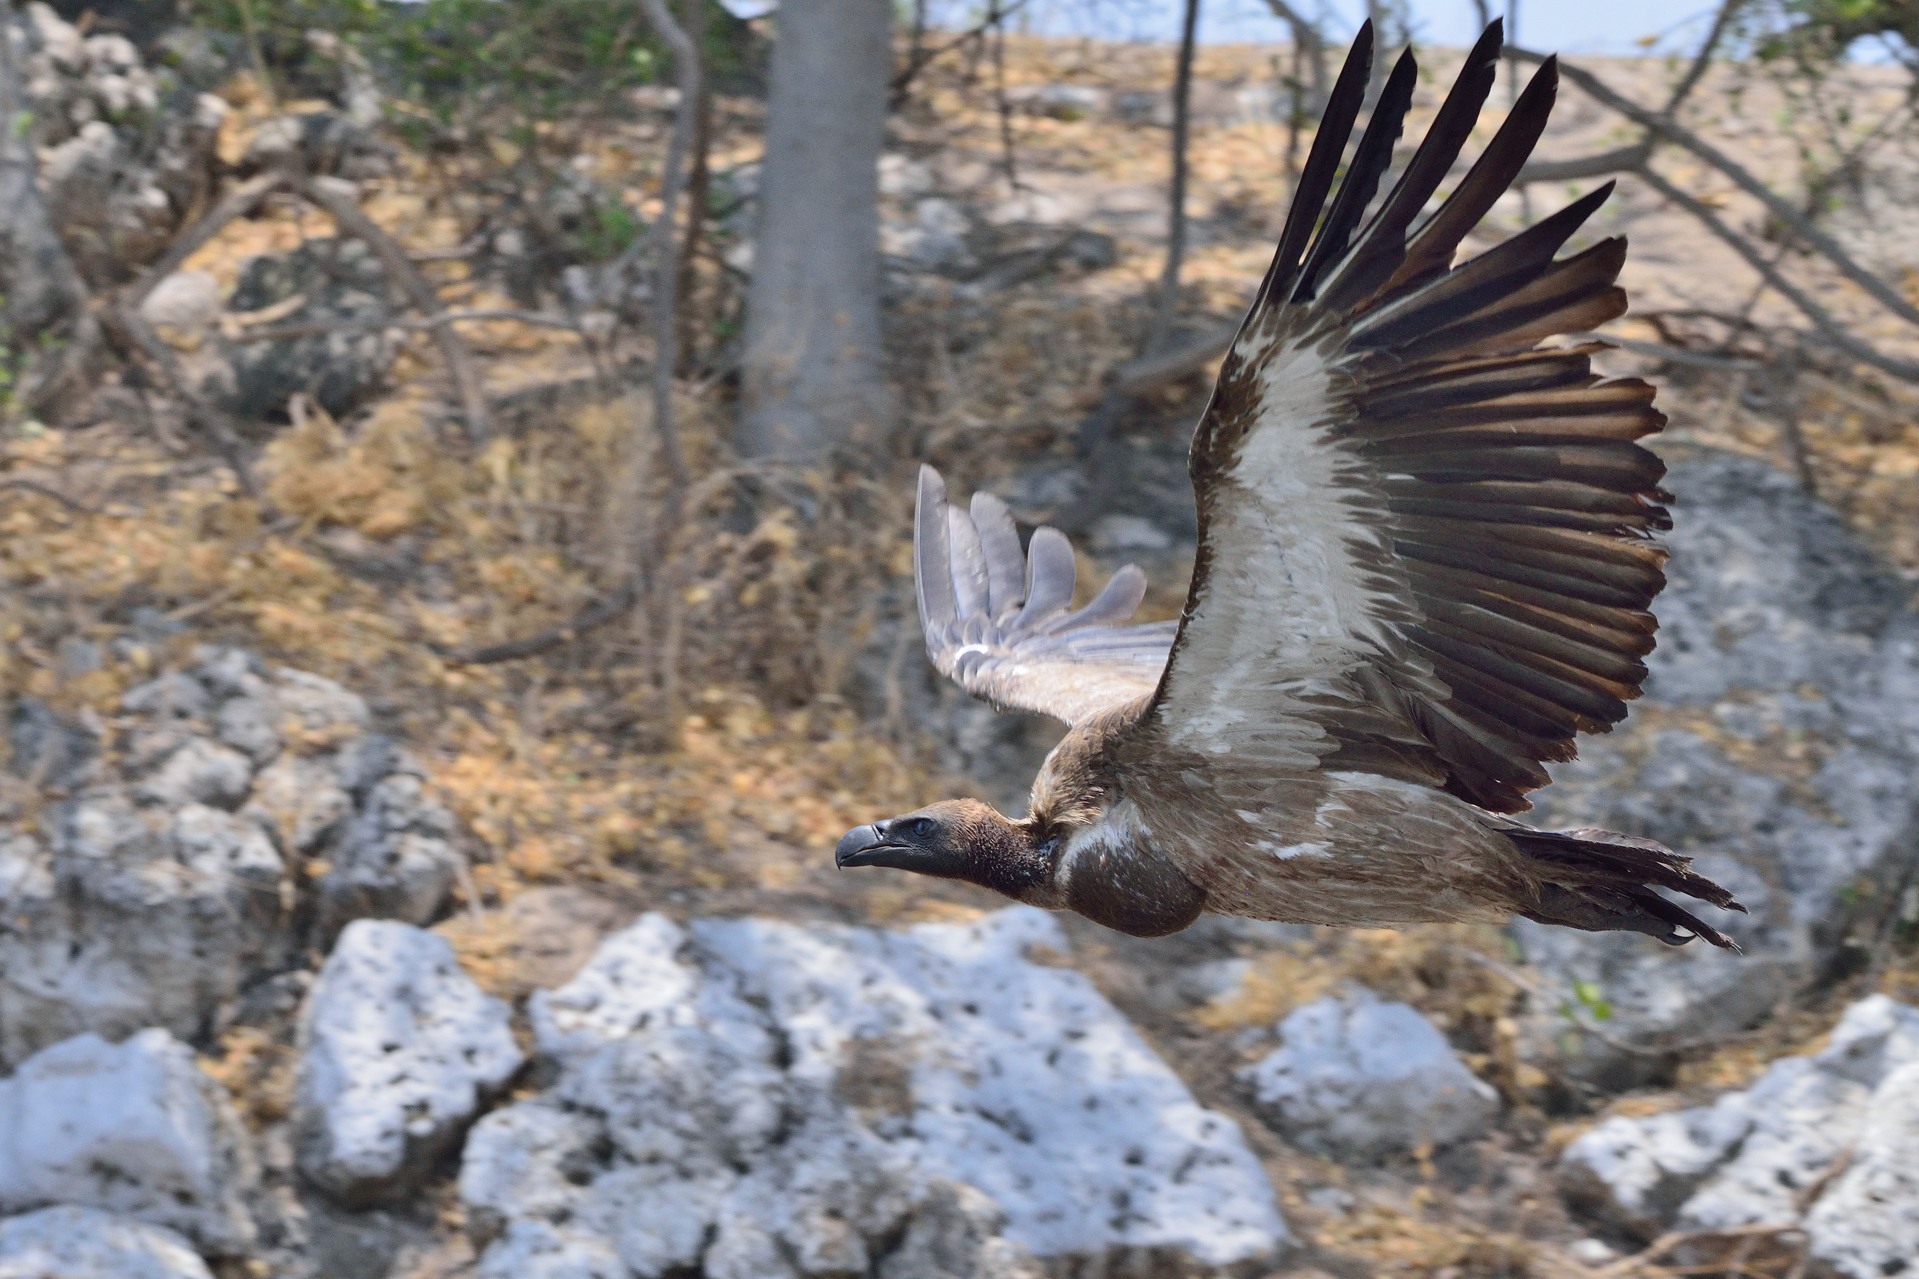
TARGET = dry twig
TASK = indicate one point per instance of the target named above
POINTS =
(400, 268)
(593, 616)
(287, 332)
(206, 416)
(237, 203)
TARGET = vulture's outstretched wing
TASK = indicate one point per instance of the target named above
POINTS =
(1423, 537)
(1000, 621)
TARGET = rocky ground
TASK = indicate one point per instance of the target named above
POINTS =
(323, 954)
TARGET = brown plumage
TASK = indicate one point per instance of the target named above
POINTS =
(1424, 567)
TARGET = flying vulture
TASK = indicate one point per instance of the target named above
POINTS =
(1425, 563)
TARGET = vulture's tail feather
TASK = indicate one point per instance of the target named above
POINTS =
(1600, 881)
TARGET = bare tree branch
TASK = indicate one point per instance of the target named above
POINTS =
(699, 185)
(1002, 104)
(287, 332)
(923, 55)
(1312, 45)
(686, 62)
(1602, 164)
(1721, 24)
(1158, 368)
(206, 416)
(237, 203)
(1176, 195)
(1669, 130)
(27, 485)
(1623, 159)
(1829, 328)
(459, 361)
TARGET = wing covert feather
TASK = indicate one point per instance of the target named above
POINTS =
(999, 622)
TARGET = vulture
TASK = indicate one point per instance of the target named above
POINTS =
(1425, 562)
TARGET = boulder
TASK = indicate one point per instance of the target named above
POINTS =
(393, 857)
(69, 1242)
(763, 1098)
(183, 306)
(136, 1129)
(165, 873)
(1357, 1078)
(1778, 744)
(323, 282)
(128, 916)
(398, 1049)
(1828, 1142)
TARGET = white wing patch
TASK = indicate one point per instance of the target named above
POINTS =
(1118, 827)
(1290, 603)
(1287, 852)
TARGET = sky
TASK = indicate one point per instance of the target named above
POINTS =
(1567, 26)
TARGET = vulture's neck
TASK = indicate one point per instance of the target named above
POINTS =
(1012, 858)
(1106, 870)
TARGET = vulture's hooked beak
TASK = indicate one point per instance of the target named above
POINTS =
(880, 844)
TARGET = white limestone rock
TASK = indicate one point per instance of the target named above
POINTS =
(184, 305)
(1015, 1077)
(956, 1234)
(527, 1162)
(1638, 1172)
(1358, 1078)
(398, 1049)
(1866, 1224)
(71, 1242)
(134, 1128)
(532, 1249)
(1841, 1126)
(165, 878)
(634, 982)
(120, 171)
(763, 1099)
(197, 771)
(393, 858)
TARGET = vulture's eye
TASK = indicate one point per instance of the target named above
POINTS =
(921, 827)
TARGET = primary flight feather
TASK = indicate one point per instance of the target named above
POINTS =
(1425, 565)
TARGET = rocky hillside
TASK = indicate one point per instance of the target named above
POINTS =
(329, 950)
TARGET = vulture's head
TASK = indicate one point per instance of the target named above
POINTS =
(953, 839)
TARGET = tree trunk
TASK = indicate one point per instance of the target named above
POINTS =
(813, 376)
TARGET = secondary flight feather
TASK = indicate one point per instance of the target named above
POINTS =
(1425, 565)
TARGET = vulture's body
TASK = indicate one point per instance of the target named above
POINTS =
(1425, 564)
